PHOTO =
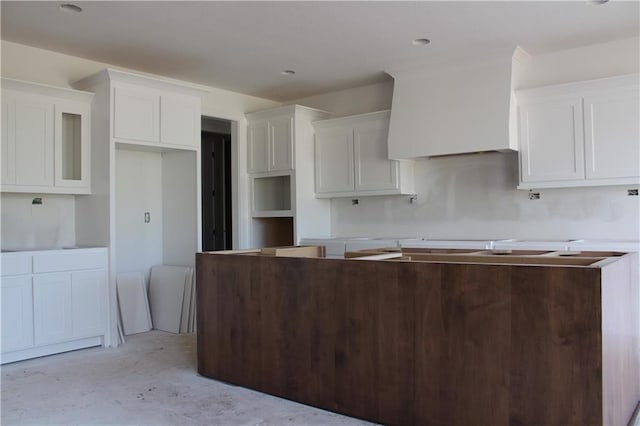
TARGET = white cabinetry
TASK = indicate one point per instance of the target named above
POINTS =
(270, 144)
(52, 301)
(136, 114)
(17, 313)
(280, 163)
(611, 133)
(52, 308)
(151, 116)
(146, 133)
(580, 134)
(351, 158)
(179, 120)
(45, 139)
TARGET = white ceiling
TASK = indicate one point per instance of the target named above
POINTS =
(243, 46)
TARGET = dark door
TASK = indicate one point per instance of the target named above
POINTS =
(216, 191)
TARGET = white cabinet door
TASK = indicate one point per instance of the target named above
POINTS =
(258, 147)
(334, 160)
(52, 308)
(612, 134)
(551, 139)
(281, 147)
(88, 292)
(373, 169)
(72, 144)
(33, 141)
(8, 140)
(179, 120)
(17, 313)
(136, 114)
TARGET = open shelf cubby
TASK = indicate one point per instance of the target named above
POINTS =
(270, 195)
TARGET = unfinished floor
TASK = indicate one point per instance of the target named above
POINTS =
(151, 380)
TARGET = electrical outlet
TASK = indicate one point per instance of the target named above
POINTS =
(355, 202)
(147, 217)
(632, 192)
(534, 195)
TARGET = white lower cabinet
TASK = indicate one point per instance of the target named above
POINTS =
(52, 320)
(87, 303)
(351, 158)
(17, 313)
(52, 301)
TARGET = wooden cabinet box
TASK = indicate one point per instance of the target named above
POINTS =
(441, 339)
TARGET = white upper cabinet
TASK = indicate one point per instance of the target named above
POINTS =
(136, 114)
(373, 170)
(612, 134)
(580, 134)
(270, 144)
(8, 139)
(34, 141)
(45, 139)
(351, 158)
(258, 147)
(179, 120)
(72, 156)
(551, 146)
(281, 151)
(334, 159)
(155, 117)
(150, 112)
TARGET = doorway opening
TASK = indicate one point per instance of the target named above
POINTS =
(217, 231)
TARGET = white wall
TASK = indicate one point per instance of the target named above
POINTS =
(474, 196)
(28, 226)
(359, 100)
(42, 66)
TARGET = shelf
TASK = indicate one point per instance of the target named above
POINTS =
(272, 213)
(272, 194)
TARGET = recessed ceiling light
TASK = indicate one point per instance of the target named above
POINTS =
(421, 42)
(288, 72)
(68, 7)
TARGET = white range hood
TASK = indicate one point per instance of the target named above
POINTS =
(456, 107)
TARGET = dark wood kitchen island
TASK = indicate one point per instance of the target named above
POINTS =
(428, 338)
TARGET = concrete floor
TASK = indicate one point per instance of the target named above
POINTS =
(150, 380)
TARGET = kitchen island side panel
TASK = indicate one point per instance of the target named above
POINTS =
(409, 342)
(620, 339)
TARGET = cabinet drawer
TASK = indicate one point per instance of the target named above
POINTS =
(16, 264)
(68, 261)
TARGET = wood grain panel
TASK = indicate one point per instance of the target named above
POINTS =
(426, 343)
